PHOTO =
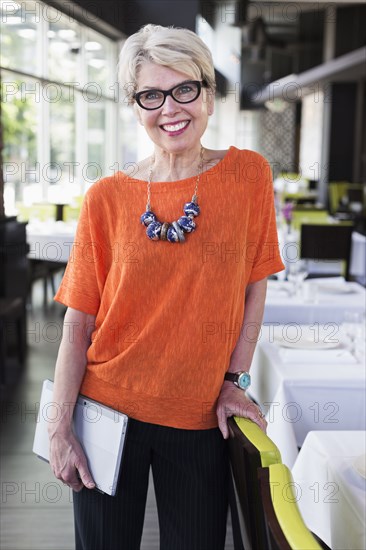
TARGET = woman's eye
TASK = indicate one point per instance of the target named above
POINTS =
(186, 89)
(151, 96)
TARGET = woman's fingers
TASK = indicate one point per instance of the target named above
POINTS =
(255, 414)
(84, 474)
(234, 402)
(69, 464)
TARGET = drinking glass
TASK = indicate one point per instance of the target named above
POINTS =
(297, 273)
(354, 329)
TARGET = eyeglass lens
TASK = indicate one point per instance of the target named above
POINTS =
(183, 93)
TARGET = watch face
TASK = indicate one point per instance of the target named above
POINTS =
(244, 380)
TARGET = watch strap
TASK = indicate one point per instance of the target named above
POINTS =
(231, 376)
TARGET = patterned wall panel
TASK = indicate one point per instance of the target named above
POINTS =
(277, 138)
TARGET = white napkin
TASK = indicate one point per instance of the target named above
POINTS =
(327, 280)
(335, 356)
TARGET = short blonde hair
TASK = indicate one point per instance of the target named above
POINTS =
(176, 48)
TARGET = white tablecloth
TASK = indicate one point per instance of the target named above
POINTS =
(50, 241)
(304, 390)
(321, 301)
(331, 491)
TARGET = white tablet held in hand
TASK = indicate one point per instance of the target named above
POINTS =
(100, 430)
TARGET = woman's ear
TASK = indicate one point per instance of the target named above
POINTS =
(210, 102)
(136, 110)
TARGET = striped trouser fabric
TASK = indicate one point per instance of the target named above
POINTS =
(191, 475)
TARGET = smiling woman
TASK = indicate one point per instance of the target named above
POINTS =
(176, 377)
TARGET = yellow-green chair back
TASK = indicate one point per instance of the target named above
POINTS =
(42, 212)
(250, 449)
(337, 190)
(317, 216)
(72, 211)
(285, 526)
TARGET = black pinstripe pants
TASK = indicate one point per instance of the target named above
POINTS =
(190, 473)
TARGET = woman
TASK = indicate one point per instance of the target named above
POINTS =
(165, 301)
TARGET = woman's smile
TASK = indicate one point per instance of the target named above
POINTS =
(175, 128)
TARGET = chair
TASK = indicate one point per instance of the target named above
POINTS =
(327, 242)
(306, 201)
(45, 270)
(72, 211)
(356, 193)
(309, 215)
(12, 314)
(285, 527)
(249, 449)
(337, 190)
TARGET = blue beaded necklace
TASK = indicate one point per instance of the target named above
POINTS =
(172, 232)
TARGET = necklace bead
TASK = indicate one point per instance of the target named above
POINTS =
(187, 224)
(179, 231)
(172, 235)
(191, 208)
(148, 217)
(153, 231)
(164, 230)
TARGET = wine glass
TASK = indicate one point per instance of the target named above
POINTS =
(353, 327)
(297, 273)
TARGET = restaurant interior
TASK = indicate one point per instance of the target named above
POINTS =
(291, 85)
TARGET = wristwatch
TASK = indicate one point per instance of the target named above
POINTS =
(241, 379)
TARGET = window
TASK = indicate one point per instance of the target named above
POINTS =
(19, 115)
(19, 38)
(61, 115)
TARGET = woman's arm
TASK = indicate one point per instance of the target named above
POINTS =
(233, 400)
(67, 458)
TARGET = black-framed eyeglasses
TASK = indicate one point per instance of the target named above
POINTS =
(186, 92)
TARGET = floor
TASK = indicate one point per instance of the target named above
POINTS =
(36, 509)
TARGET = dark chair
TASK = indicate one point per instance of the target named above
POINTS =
(45, 270)
(284, 525)
(250, 449)
(306, 201)
(327, 242)
(12, 320)
(355, 193)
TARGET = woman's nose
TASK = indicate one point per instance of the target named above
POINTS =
(170, 106)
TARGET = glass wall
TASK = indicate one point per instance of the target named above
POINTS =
(60, 110)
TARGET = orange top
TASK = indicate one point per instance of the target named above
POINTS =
(168, 315)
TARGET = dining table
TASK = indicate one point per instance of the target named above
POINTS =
(50, 240)
(307, 377)
(322, 300)
(330, 487)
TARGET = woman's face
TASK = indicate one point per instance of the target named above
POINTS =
(174, 127)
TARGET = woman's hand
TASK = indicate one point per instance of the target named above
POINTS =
(234, 401)
(68, 461)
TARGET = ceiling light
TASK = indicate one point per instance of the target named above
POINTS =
(66, 34)
(276, 105)
(93, 46)
(27, 33)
